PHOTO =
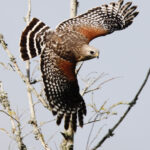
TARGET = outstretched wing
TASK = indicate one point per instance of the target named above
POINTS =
(101, 20)
(61, 88)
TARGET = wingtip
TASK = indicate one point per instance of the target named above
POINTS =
(133, 7)
(120, 2)
(136, 13)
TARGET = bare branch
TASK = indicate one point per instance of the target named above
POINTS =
(9, 115)
(7, 133)
(22, 76)
(131, 104)
(41, 125)
(73, 8)
(37, 131)
(90, 83)
(7, 67)
(79, 65)
(68, 141)
(97, 134)
(87, 145)
(27, 18)
(99, 86)
(29, 87)
(16, 129)
(38, 134)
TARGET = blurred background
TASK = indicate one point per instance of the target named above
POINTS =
(124, 55)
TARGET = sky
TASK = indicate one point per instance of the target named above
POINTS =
(124, 55)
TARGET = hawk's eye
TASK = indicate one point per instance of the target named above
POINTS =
(91, 52)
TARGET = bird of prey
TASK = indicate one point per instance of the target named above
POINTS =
(61, 49)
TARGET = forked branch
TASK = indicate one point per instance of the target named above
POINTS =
(131, 104)
(16, 132)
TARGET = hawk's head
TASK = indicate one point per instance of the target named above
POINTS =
(87, 52)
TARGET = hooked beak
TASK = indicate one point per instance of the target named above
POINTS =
(89, 52)
(97, 54)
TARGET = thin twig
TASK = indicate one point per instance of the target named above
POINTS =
(27, 18)
(99, 86)
(16, 129)
(79, 65)
(97, 134)
(33, 121)
(41, 125)
(9, 115)
(91, 83)
(131, 104)
(22, 76)
(87, 145)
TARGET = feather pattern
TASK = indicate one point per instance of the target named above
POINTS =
(62, 48)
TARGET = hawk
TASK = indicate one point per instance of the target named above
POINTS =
(62, 48)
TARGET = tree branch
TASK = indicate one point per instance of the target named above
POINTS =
(22, 76)
(131, 104)
(33, 121)
(30, 89)
(27, 18)
(73, 8)
(16, 128)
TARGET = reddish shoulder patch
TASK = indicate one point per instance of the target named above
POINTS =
(67, 68)
(91, 32)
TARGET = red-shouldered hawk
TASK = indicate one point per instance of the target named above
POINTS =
(68, 44)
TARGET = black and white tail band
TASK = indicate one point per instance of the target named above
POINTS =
(32, 39)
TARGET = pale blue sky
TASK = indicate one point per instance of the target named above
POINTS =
(124, 54)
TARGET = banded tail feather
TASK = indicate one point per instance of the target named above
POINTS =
(31, 43)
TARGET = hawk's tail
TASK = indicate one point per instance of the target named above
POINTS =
(31, 42)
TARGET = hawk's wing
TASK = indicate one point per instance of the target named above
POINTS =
(101, 20)
(61, 88)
